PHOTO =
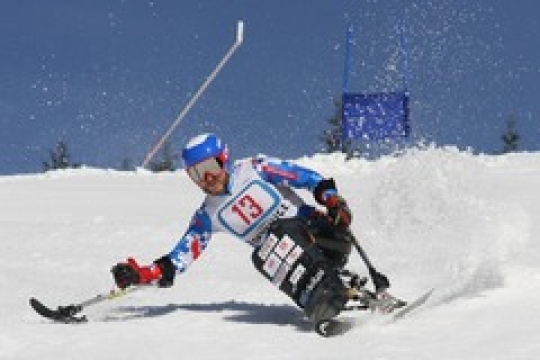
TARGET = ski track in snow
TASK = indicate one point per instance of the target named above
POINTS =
(464, 224)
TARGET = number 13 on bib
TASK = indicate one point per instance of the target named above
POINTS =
(252, 208)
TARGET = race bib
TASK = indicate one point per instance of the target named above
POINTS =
(252, 208)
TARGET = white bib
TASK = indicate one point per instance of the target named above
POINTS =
(251, 206)
(248, 209)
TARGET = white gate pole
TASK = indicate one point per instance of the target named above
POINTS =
(193, 100)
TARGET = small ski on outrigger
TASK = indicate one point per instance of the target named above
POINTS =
(62, 314)
(68, 314)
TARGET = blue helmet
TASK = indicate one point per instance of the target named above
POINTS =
(205, 146)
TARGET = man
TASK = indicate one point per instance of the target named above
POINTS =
(296, 246)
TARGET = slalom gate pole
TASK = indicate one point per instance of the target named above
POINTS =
(238, 41)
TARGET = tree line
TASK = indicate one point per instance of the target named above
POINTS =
(332, 141)
(60, 157)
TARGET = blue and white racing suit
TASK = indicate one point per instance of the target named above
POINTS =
(259, 191)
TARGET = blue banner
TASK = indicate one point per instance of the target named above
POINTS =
(375, 116)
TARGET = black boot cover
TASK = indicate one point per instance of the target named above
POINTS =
(289, 258)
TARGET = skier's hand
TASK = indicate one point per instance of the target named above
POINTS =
(338, 211)
(130, 273)
(326, 194)
(126, 274)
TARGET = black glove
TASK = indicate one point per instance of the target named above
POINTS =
(126, 274)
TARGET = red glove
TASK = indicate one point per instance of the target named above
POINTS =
(130, 273)
(326, 194)
(338, 211)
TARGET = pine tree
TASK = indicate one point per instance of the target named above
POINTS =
(511, 136)
(332, 137)
(60, 158)
(127, 165)
(167, 160)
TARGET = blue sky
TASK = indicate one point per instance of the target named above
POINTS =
(110, 76)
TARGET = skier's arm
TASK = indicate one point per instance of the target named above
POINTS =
(164, 269)
(194, 241)
(280, 172)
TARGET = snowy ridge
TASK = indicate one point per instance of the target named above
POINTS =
(464, 224)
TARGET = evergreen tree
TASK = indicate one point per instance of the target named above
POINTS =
(127, 165)
(167, 160)
(60, 158)
(332, 137)
(511, 136)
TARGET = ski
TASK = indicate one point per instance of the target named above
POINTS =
(63, 314)
(66, 314)
(385, 304)
(413, 305)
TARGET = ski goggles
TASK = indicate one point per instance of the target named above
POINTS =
(205, 170)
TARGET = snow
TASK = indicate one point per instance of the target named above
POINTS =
(465, 224)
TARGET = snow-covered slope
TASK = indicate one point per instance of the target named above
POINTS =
(466, 225)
